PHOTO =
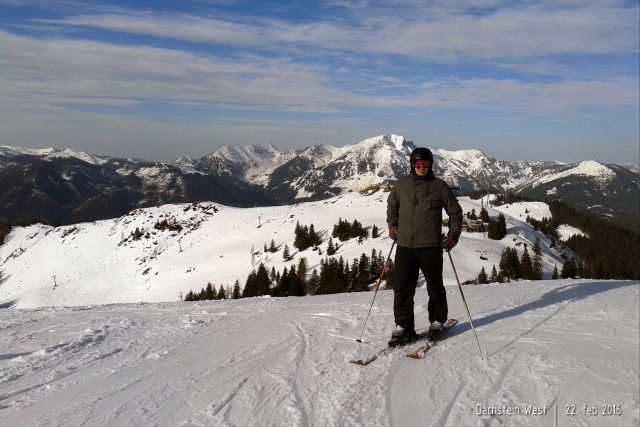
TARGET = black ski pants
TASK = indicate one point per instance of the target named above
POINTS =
(408, 264)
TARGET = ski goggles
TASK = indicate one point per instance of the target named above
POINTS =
(422, 164)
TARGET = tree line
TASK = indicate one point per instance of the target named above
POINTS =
(607, 251)
(334, 276)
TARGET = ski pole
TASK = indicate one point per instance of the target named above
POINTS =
(376, 290)
(465, 303)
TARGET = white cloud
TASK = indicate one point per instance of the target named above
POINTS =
(506, 33)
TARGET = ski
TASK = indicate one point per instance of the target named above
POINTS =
(363, 362)
(420, 352)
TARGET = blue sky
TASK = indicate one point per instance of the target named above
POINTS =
(548, 80)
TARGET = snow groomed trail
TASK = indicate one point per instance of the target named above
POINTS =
(558, 353)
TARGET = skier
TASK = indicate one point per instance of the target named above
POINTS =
(414, 217)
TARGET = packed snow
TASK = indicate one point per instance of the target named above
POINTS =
(556, 353)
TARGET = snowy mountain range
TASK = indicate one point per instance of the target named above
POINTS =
(66, 186)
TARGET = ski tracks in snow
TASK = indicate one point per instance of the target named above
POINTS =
(269, 361)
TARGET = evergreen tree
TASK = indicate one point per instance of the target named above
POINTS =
(281, 288)
(314, 282)
(296, 284)
(236, 290)
(262, 281)
(222, 294)
(374, 269)
(301, 240)
(250, 286)
(526, 266)
(375, 232)
(314, 238)
(569, 270)
(555, 272)
(331, 249)
(210, 292)
(272, 247)
(537, 265)
(494, 231)
(285, 253)
(364, 276)
(302, 269)
(482, 277)
(494, 275)
(389, 275)
(190, 296)
(503, 224)
(484, 215)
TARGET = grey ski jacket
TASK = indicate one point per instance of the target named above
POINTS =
(415, 207)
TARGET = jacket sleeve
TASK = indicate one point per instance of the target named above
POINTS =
(453, 209)
(393, 208)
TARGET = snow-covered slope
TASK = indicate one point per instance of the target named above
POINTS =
(52, 153)
(568, 349)
(251, 162)
(100, 262)
(589, 168)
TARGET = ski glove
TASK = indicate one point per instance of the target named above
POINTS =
(393, 233)
(449, 242)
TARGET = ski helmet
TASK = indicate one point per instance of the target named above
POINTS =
(421, 153)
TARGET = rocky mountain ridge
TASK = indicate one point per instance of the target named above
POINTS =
(68, 186)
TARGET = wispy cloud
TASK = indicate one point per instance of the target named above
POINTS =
(503, 34)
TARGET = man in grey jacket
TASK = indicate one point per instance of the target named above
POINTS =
(414, 216)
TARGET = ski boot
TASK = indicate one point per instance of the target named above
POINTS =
(402, 336)
(435, 330)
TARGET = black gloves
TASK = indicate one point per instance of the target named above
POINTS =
(449, 242)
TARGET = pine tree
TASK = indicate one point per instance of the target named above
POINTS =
(262, 281)
(494, 275)
(300, 240)
(209, 293)
(331, 249)
(297, 286)
(484, 215)
(314, 238)
(302, 269)
(537, 261)
(569, 269)
(555, 272)
(313, 282)
(526, 266)
(364, 276)
(272, 247)
(250, 286)
(285, 253)
(375, 232)
(236, 290)
(482, 277)
(222, 294)
(389, 275)
(503, 224)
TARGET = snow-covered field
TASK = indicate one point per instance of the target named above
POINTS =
(568, 349)
(99, 263)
